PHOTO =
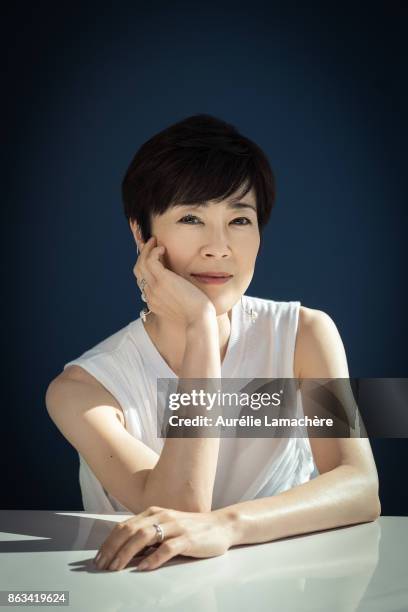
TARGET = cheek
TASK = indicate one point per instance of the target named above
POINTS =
(248, 253)
(175, 257)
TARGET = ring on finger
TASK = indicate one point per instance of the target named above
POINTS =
(142, 285)
(159, 532)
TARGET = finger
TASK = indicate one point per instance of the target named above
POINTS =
(140, 269)
(134, 544)
(121, 533)
(146, 536)
(154, 264)
(169, 549)
(147, 247)
(151, 270)
(142, 273)
(118, 536)
(144, 244)
(141, 246)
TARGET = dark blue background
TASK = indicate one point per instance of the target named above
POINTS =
(322, 90)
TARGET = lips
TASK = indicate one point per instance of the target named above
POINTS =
(213, 278)
(213, 275)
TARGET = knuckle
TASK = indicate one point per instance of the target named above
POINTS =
(119, 526)
(187, 539)
(154, 509)
(167, 547)
(123, 528)
(109, 551)
(167, 514)
(143, 533)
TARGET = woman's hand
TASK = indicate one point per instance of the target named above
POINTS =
(194, 534)
(168, 294)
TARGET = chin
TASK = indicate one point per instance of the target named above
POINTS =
(224, 303)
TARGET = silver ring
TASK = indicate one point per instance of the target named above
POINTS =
(143, 282)
(159, 532)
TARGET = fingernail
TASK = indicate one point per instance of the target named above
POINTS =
(98, 556)
(115, 564)
(143, 565)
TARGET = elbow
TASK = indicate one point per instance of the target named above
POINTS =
(375, 509)
(366, 491)
(51, 397)
(375, 505)
(371, 504)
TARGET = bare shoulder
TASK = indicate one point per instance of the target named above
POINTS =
(311, 318)
(75, 372)
(319, 350)
(79, 374)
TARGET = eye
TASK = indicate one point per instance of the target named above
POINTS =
(188, 218)
(243, 219)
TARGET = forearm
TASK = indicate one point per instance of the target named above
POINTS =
(333, 499)
(183, 478)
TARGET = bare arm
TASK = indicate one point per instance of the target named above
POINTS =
(186, 468)
(346, 490)
(89, 418)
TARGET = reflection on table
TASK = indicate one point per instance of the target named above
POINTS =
(358, 567)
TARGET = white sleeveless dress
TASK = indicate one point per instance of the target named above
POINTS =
(128, 365)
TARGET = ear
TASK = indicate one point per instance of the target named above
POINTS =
(137, 235)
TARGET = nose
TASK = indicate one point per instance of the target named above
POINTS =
(218, 248)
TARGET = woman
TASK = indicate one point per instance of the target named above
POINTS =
(197, 197)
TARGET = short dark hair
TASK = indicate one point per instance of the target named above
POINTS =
(197, 159)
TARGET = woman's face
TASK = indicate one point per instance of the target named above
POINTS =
(219, 237)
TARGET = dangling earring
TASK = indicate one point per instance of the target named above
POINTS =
(137, 249)
(251, 312)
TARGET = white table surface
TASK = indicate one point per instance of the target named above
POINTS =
(362, 567)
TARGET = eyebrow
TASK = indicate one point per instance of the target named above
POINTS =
(234, 204)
